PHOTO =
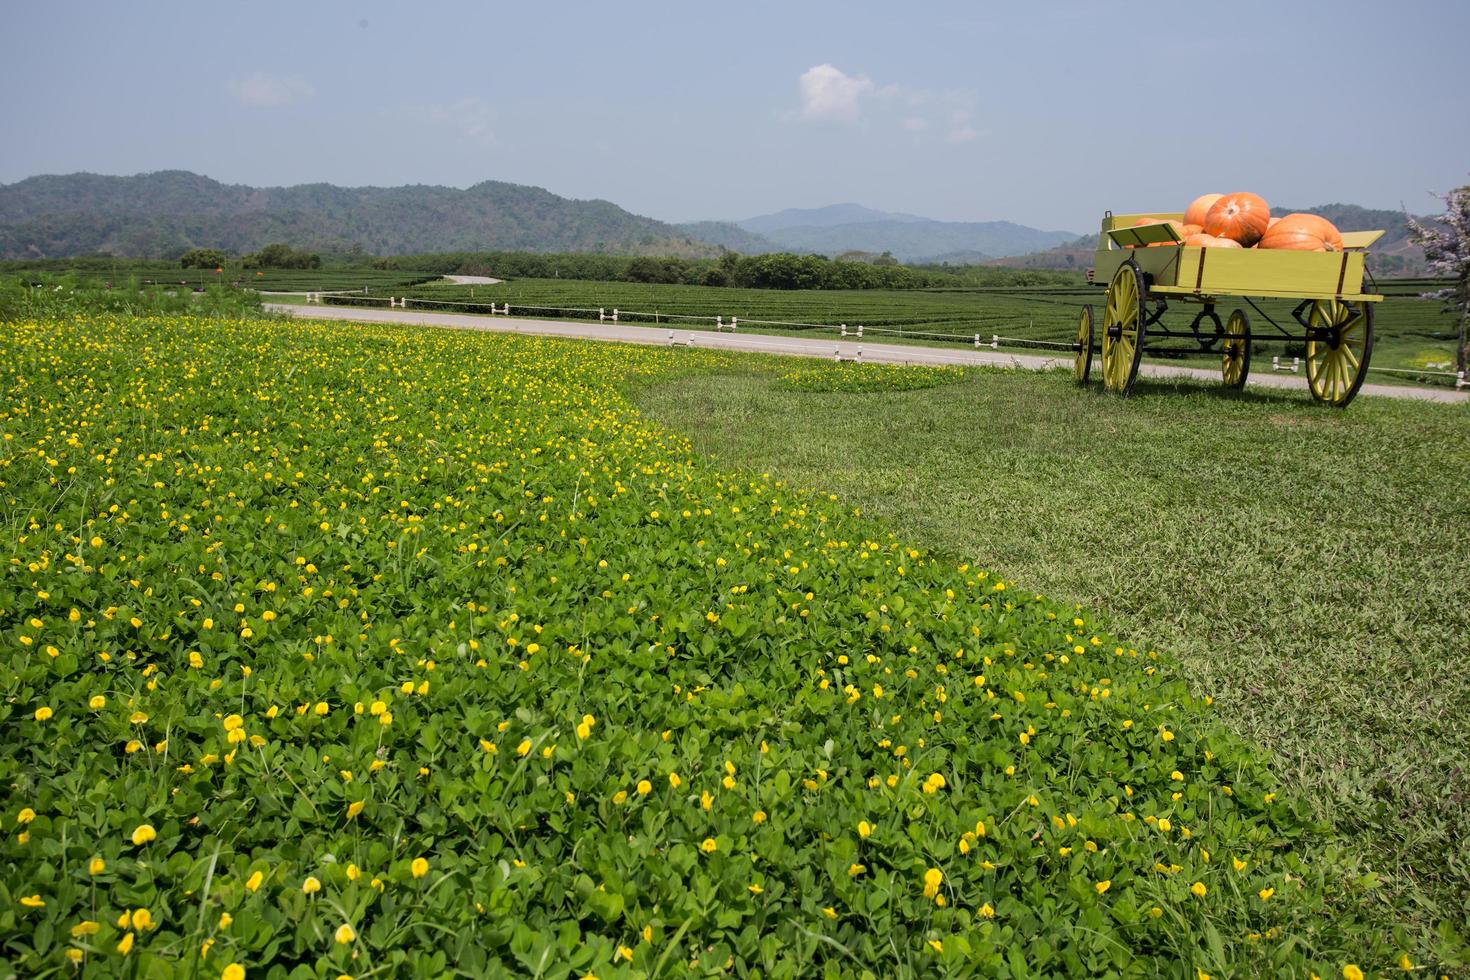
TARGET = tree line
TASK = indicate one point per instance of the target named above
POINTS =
(775, 270)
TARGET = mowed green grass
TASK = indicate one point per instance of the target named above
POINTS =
(1309, 568)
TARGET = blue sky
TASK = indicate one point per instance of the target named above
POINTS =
(1045, 114)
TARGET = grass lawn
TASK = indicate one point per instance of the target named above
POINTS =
(1309, 568)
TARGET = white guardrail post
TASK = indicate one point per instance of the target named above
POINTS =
(734, 324)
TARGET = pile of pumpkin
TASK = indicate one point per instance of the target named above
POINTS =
(1243, 220)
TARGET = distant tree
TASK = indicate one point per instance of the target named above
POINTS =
(885, 259)
(1447, 250)
(278, 255)
(203, 258)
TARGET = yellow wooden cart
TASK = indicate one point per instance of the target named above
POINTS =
(1147, 266)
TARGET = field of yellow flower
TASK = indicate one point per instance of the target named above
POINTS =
(367, 651)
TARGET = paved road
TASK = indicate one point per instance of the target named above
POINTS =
(472, 280)
(807, 346)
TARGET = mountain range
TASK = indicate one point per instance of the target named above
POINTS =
(164, 214)
(909, 238)
(168, 212)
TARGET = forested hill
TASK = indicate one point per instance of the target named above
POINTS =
(166, 213)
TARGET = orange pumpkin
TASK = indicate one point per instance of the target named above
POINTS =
(1202, 240)
(1195, 213)
(1305, 232)
(1241, 217)
(1193, 230)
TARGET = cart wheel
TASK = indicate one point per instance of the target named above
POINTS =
(1082, 363)
(1339, 343)
(1235, 362)
(1123, 328)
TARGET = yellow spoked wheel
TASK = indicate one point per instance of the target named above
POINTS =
(1339, 343)
(1235, 360)
(1082, 363)
(1122, 340)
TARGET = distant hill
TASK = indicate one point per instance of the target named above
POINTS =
(840, 228)
(832, 214)
(166, 213)
(919, 241)
(729, 235)
(1393, 254)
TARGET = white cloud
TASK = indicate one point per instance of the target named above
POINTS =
(830, 93)
(471, 116)
(262, 89)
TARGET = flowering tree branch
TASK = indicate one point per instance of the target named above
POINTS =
(1447, 249)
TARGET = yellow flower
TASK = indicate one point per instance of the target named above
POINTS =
(311, 885)
(755, 889)
(75, 955)
(933, 878)
(1405, 963)
(936, 945)
(709, 846)
(354, 808)
(674, 780)
(25, 816)
(1199, 889)
(644, 787)
(126, 946)
(225, 919)
(233, 972)
(353, 872)
(345, 934)
(33, 902)
(1239, 864)
(1103, 886)
(142, 920)
(524, 748)
(864, 829)
(97, 703)
(987, 911)
(419, 868)
(85, 928)
(759, 816)
(144, 833)
(830, 912)
(1266, 893)
(853, 870)
(43, 713)
(705, 800)
(619, 797)
(138, 717)
(1351, 972)
(253, 883)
